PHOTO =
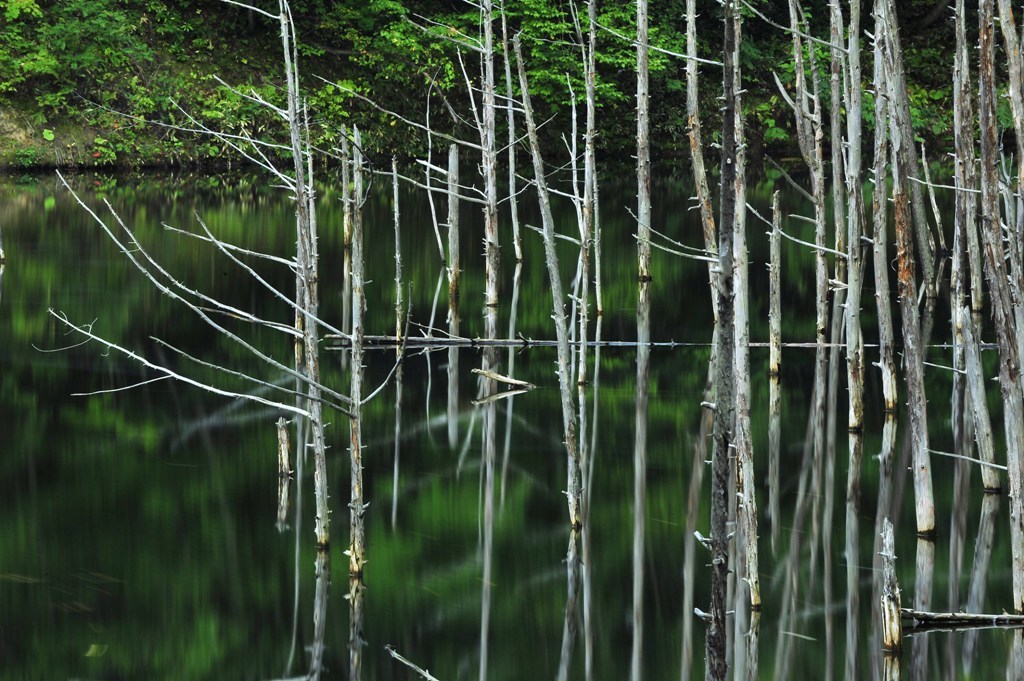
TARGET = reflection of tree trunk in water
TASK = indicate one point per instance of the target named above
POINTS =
(885, 457)
(572, 565)
(300, 444)
(453, 384)
(398, 444)
(1015, 668)
(356, 594)
(979, 573)
(585, 537)
(643, 367)
(924, 575)
(516, 281)
(490, 414)
(853, 567)
(323, 584)
(700, 455)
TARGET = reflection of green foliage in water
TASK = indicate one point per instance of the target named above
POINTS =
(130, 530)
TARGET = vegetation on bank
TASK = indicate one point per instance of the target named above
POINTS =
(127, 82)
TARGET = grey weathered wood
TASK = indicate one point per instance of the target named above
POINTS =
(307, 292)
(748, 570)
(879, 220)
(492, 251)
(513, 199)
(980, 576)
(907, 288)
(643, 144)
(892, 623)
(700, 176)
(1003, 308)
(454, 264)
(558, 300)
(357, 507)
(717, 636)
(590, 212)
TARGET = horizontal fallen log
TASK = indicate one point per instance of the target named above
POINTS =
(922, 621)
(335, 342)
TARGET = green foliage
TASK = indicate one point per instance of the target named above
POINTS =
(106, 65)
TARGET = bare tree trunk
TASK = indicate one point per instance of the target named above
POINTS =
(899, 110)
(1003, 310)
(892, 628)
(454, 274)
(490, 166)
(512, 184)
(357, 509)
(558, 301)
(717, 635)
(913, 358)
(643, 145)
(879, 219)
(307, 271)
(747, 571)
(590, 155)
(774, 369)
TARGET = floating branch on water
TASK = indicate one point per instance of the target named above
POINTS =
(419, 670)
(504, 379)
(494, 397)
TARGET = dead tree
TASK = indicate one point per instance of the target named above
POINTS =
(558, 301)
(717, 635)
(1003, 312)
(907, 286)
(298, 180)
(747, 569)
(643, 144)
(357, 508)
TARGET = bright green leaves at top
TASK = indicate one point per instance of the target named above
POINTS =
(15, 8)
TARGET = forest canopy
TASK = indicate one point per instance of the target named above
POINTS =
(79, 79)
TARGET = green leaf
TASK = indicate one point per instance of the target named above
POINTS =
(48, 135)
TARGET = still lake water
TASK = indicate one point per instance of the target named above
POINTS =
(140, 533)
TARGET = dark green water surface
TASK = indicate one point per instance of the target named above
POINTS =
(138, 536)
